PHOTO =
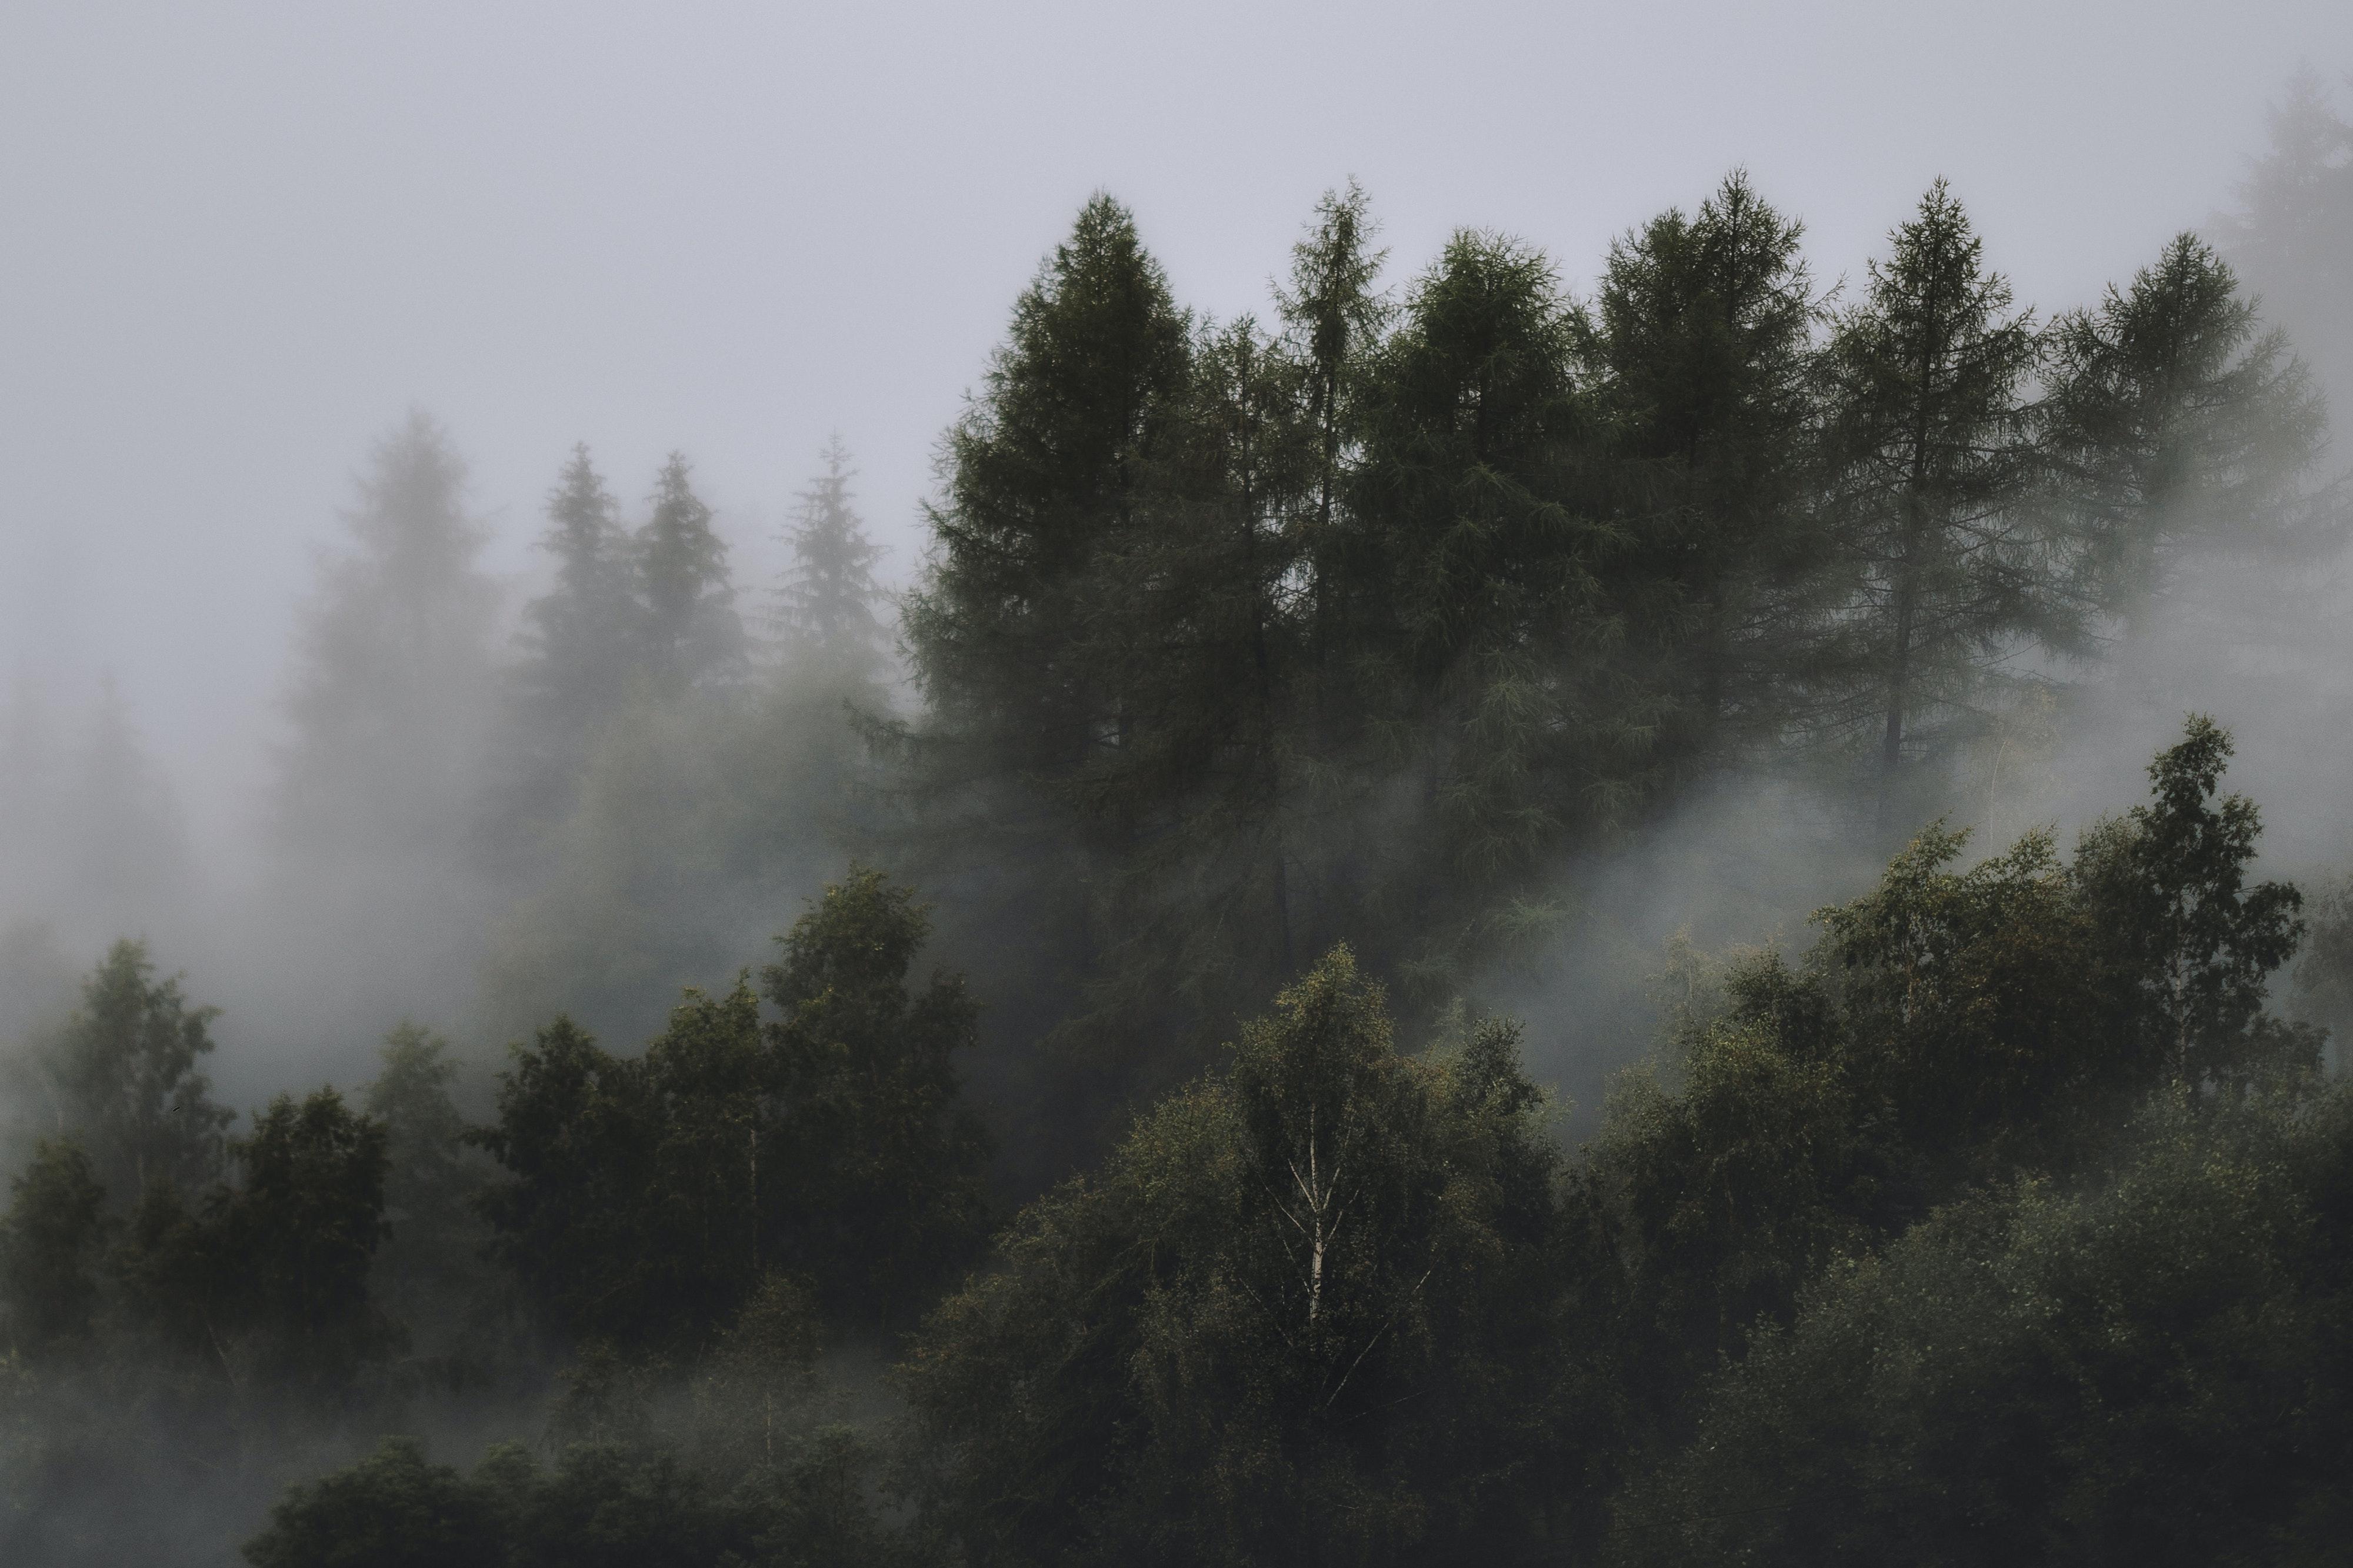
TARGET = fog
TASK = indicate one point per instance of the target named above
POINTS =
(263, 260)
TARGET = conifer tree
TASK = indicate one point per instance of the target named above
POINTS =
(2174, 422)
(2292, 235)
(389, 699)
(1936, 468)
(1335, 320)
(1041, 474)
(692, 635)
(583, 642)
(1475, 571)
(830, 607)
(1700, 346)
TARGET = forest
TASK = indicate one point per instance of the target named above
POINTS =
(1095, 1130)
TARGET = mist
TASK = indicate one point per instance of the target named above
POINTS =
(677, 689)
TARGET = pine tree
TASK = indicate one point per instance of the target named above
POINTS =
(389, 699)
(692, 635)
(2176, 422)
(2292, 237)
(1474, 574)
(1334, 320)
(1701, 347)
(1041, 473)
(1936, 468)
(583, 645)
(828, 608)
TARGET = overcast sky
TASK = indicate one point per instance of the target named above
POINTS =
(239, 240)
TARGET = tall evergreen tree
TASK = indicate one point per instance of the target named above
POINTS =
(1475, 573)
(692, 635)
(2175, 421)
(1701, 344)
(390, 696)
(583, 643)
(1935, 465)
(1041, 474)
(1335, 320)
(2292, 235)
(830, 607)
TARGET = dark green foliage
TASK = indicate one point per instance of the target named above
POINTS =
(880, 1163)
(391, 1509)
(52, 1250)
(2151, 1371)
(1929, 432)
(304, 1225)
(575, 1133)
(270, 1272)
(646, 1198)
(123, 1076)
(599, 1506)
(1950, 1028)
(1701, 344)
(1479, 559)
(1300, 1316)
(2168, 885)
(1043, 471)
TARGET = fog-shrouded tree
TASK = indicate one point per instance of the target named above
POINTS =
(830, 609)
(646, 1198)
(431, 1258)
(394, 667)
(2291, 237)
(53, 1246)
(692, 635)
(1497, 692)
(125, 1077)
(375, 877)
(1950, 570)
(1700, 341)
(583, 648)
(2177, 423)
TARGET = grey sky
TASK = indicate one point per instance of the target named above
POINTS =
(239, 239)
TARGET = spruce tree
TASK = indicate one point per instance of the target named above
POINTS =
(2175, 421)
(582, 645)
(1935, 466)
(389, 699)
(1700, 345)
(692, 634)
(1335, 320)
(1041, 473)
(830, 606)
(1474, 572)
(2292, 235)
